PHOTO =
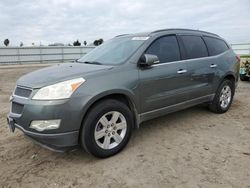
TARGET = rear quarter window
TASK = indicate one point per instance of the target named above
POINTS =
(194, 47)
(215, 46)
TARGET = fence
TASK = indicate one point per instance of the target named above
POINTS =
(41, 54)
(242, 49)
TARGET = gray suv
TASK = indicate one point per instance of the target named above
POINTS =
(97, 101)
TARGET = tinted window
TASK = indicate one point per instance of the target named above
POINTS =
(194, 46)
(215, 46)
(166, 48)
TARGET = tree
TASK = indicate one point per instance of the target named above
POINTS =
(98, 42)
(85, 43)
(6, 42)
(76, 43)
(21, 44)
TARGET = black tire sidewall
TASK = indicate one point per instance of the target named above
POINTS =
(87, 132)
(216, 101)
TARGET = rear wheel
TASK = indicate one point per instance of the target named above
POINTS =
(107, 128)
(223, 97)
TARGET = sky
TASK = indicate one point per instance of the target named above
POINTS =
(64, 21)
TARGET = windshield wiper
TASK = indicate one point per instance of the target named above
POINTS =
(92, 62)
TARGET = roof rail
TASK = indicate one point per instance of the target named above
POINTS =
(161, 30)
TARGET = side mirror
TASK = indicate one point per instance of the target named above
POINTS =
(148, 60)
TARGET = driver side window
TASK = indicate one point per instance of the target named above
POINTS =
(165, 48)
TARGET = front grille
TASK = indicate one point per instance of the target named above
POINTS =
(22, 92)
(16, 108)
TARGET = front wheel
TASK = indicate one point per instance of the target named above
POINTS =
(223, 97)
(107, 128)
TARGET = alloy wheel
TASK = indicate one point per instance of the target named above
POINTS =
(225, 96)
(110, 130)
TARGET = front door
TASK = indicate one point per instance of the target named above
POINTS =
(163, 84)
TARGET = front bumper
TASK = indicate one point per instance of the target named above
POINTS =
(56, 142)
(70, 111)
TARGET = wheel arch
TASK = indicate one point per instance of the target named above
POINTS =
(121, 95)
(229, 76)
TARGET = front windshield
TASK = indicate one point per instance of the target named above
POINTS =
(114, 51)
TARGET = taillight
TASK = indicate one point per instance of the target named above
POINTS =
(238, 58)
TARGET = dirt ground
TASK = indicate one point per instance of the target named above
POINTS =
(191, 148)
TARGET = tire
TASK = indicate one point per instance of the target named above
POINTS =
(221, 103)
(107, 119)
(243, 77)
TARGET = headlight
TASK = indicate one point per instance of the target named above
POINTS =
(61, 90)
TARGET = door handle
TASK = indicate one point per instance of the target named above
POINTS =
(213, 65)
(181, 71)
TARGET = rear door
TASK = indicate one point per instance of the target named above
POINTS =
(199, 66)
(218, 59)
(163, 84)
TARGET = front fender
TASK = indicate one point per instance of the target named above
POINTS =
(124, 92)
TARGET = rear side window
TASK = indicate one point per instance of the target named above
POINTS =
(165, 48)
(215, 46)
(194, 47)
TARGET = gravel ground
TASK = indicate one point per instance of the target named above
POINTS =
(191, 148)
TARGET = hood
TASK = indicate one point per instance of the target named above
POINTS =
(58, 73)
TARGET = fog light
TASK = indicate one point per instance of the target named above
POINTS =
(41, 125)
